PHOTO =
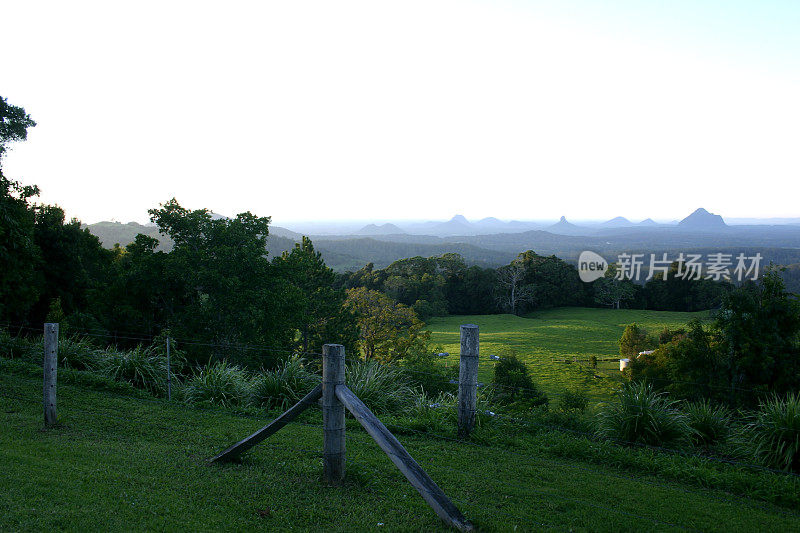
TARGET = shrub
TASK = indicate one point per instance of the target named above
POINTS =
(773, 433)
(284, 386)
(513, 384)
(422, 370)
(79, 353)
(141, 367)
(573, 400)
(640, 415)
(382, 388)
(218, 384)
(711, 422)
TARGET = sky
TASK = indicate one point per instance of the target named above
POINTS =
(408, 110)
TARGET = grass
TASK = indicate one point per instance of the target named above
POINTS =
(121, 462)
(556, 344)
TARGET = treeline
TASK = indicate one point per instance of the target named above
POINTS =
(216, 287)
(437, 286)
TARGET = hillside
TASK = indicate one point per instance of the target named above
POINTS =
(117, 462)
(340, 253)
(779, 244)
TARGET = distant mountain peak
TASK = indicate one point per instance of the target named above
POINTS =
(648, 222)
(459, 218)
(617, 222)
(383, 229)
(702, 219)
(564, 227)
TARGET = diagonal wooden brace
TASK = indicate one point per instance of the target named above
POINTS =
(242, 446)
(427, 488)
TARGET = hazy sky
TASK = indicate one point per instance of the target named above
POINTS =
(374, 110)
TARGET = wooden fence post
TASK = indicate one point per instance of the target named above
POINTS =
(50, 365)
(468, 380)
(333, 449)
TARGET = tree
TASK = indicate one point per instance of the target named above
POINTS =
(512, 292)
(77, 267)
(19, 257)
(759, 333)
(322, 317)
(681, 293)
(20, 282)
(634, 340)
(14, 124)
(555, 282)
(609, 291)
(230, 293)
(388, 331)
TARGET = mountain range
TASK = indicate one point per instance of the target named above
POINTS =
(492, 242)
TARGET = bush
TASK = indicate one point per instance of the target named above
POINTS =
(711, 422)
(573, 400)
(382, 388)
(422, 370)
(284, 386)
(141, 367)
(513, 384)
(218, 384)
(640, 415)
(773, 433)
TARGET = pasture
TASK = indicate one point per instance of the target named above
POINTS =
(556, 344)
(125, 463)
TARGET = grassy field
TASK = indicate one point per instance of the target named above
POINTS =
(550, 341)
(125, 463)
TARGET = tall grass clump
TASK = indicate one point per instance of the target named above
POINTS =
(142, 367)
(283, 386)
(640, 415)
(79, 353)
(218, 383)
(21, 348)
(439, 413)
(773, 433)
(382, 388)
(711, 422)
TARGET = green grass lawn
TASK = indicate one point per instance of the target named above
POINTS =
(124, 463)
(546, 339)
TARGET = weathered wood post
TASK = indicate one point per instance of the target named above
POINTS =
(169, 375)
(468, 380)
(50, 365)
(333, 448)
